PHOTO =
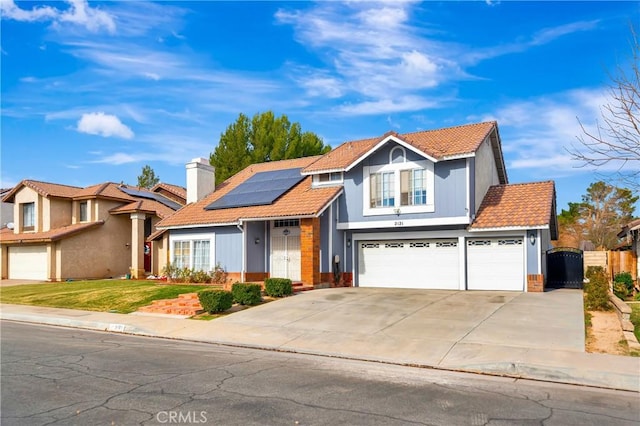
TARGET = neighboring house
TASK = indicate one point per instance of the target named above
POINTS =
(6, 211)
(430, 209)
(631, 235)
(65, 232)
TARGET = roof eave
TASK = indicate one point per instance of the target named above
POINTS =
(384, 141)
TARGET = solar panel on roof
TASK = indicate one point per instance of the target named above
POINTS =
(140, 193)
(260, 189)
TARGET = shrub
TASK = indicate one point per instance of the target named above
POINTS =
(215, 300)
(597, 292)
(625, 279)
(218, 275)
(278, 287)
(199, 277)
(620, 290)
(592, 270)
(246, 293)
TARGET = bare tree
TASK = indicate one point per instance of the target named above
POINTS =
(616, 139)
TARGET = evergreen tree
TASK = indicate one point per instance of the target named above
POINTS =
(148, 178)
(263, 138)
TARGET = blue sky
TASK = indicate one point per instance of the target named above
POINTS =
(93, 91)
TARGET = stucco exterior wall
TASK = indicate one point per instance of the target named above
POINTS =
(98, 253)
(6, 214)
(486, 173)
(27, 195)
(59, 213)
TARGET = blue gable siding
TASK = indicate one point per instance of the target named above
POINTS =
(256, 252)
(229, 248)
(450, 187)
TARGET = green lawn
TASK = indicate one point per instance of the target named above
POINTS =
(122, 296)
(635, 318)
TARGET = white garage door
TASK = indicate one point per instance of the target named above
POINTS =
(409, 264)
(28, 263)
(495, 264)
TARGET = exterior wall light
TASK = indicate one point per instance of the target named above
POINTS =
(257, 240)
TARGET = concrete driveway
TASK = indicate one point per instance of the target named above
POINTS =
(428, 327)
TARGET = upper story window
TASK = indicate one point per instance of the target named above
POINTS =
(333, 178)
(28, 216)
(398, 187)
(84, 211)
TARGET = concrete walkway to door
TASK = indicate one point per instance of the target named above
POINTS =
(523, 335)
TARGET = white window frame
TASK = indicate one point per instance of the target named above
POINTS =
(29, 224)
(86, 211)
(331, 182)
(191, 238)
(367, 171)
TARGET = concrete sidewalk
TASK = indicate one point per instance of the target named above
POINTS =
(500, 332)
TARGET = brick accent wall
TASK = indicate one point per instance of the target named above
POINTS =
(310, 250)
(345, 279)
(535, 283)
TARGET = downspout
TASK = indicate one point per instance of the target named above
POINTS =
(244, 254)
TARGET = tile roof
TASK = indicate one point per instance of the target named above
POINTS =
(46, 189)
(301, 200)
(104, 190)
(144, 206)
(176, 190)
(439, 144)
(7, 236)
(519, 205)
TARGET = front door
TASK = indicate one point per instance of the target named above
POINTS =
(285, 251)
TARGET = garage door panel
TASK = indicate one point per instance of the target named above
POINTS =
(409, 264)
(28, 262)
(495, 264)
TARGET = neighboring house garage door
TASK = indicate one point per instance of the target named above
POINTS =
(495, 264)
(28, 262)
(430, 264)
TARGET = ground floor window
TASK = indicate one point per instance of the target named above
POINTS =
(192, 254)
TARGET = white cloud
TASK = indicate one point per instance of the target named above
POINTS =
(106, 125)
(151, 76)
(117, 159)
(78, 13)
(381, 106)
(539, 133)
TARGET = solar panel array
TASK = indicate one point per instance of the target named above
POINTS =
(261, 189)
(141, 193)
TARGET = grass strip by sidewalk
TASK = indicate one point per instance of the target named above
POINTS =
(122, 296)
(635, 319)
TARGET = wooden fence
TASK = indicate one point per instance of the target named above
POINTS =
(613, 262)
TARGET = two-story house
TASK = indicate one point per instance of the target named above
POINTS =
(430, 209)
(63, 232)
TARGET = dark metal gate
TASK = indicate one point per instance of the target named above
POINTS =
(565, 268)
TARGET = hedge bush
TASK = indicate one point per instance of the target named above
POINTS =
(278, 287)
(246, 293)
(592, 270)
(597, 291)
(620, 290)
(625, 279)
(215, 300)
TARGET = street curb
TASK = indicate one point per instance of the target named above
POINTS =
(515, 370)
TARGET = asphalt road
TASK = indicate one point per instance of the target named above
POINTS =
(60, 376)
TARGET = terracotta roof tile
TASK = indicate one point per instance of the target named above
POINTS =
(301, 200)
(7, 236)
(104, 190)
(46, 189)
(176, 190)
(439, 144)
(517, 205)
(145, 206)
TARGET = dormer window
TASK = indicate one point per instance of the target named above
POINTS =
(84, 216)
(28, 216)
(327, 179)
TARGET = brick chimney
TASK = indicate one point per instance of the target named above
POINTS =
(201, 179)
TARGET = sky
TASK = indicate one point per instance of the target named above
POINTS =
(94, 91)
